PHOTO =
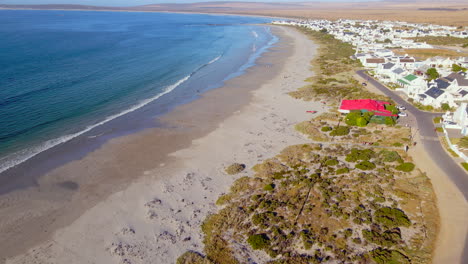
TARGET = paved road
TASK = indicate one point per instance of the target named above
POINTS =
(428, 137)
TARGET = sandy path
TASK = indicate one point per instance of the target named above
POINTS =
(453, 210)
(158, 217)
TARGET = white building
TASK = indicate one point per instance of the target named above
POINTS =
(457, 119)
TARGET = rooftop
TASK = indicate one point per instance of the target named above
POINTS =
(461, 80)
(410, 77)
(378, 107)
(375, 60)
(434, 92)
(388, 65)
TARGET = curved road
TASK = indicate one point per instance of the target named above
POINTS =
(429, 137)
(431, 144)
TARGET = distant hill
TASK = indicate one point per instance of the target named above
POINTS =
(453, 12)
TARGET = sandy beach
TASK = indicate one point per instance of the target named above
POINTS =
(156, 201)
(141, 198)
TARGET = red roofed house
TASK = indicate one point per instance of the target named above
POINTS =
(378, 107)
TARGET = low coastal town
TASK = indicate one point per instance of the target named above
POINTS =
(431, 77)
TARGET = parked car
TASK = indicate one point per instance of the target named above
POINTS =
(402, 114)
(400, 107)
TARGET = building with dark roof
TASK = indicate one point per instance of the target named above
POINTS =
(461, 78)
(388, 65)
(434, 92)
(441, 84)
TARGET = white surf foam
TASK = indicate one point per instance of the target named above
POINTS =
(22, 156)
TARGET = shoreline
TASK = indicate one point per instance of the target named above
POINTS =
(132, 155)
(142, 114)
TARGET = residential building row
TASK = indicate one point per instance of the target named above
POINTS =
(373, 41)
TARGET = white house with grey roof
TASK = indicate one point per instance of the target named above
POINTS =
(457, 119)
(436, 97)
(384, 71)
(396, 74)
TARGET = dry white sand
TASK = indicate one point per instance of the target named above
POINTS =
(158, 217)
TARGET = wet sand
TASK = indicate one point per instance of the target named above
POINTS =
(83, 211)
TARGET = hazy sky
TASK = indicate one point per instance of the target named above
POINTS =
(141, 2)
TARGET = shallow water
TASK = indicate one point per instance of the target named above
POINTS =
(63, 73)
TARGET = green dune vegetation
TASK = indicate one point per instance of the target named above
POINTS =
(332, 200)
(442, 40)
(314, 204)
(332, 127)
(334, 72)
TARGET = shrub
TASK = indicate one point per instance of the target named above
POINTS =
(440, 129)
(359, 154)
(388, 238)
(397, 144)
(389, 156)
(406, 167)
(223, 199)
(392, 109)
(348, 232)
(331, 162)
(437, 119)
(387, 256)
(432, 73)
(429, 108)
(307, 239)
(463, 143)
(235, 168)
(456, 67)
(191, 257)
(351, 118)
(389, 121)
(326, 129)
(358, 118)
(465, 165)
(361, 122)
(258, 241)
(265, 219)
(365, 165)
(269, 187)
(445, 107)
(342, 170)
(340, 131)
(391, 217)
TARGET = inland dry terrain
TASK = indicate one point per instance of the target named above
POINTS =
(333, 200)
(452, 12)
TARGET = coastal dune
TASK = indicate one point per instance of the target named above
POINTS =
(157, 216)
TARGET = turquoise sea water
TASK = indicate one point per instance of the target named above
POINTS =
(63, 73)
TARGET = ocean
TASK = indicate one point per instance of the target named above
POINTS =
(65, 73)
